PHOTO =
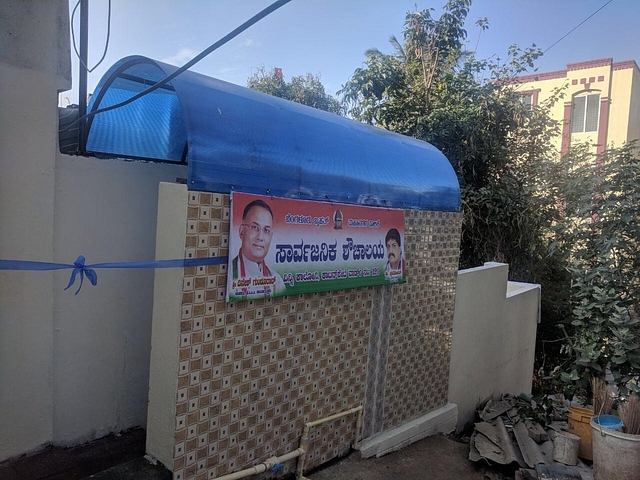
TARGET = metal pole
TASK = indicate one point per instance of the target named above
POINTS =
(82, 84)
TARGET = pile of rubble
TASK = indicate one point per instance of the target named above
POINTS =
(509, 434)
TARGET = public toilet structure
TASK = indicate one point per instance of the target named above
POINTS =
(234, 383)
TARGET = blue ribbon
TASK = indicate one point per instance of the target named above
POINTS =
(83, 270)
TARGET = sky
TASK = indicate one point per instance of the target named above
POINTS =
(329, 37)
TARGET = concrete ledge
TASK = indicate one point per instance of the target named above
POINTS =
(441, 420)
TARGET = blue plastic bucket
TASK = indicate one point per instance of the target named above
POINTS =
(608, 421)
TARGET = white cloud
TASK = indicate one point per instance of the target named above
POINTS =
(182, 57)
(246, 43)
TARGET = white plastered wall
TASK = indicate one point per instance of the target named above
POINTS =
(494, 337)
(34, 66)
(72, 367)
(163, 380)
(105, 210)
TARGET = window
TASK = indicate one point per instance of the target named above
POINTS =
(529, 98)
(584, 113)
(526, 99)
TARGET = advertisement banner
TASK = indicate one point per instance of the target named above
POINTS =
(281, 246)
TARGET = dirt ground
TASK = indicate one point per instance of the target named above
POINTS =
(433, 458)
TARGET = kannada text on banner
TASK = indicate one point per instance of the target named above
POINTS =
(280, 246)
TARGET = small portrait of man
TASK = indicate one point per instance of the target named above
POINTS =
(337, 220)
(256, 232)
(394, 268)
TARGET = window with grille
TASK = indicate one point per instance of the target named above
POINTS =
(584, 113)
(526, 99)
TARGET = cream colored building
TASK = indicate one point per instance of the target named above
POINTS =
(601, 103)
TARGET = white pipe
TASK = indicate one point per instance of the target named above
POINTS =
(333, 417)
(263, 467)
(304, 440)
(300, 452)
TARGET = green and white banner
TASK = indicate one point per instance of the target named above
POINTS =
(280, 246)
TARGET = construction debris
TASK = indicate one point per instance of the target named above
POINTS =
(511, 433)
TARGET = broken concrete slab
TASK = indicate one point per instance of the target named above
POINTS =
(494, 409)
(529, 448)
(519, 433)
(536, 432)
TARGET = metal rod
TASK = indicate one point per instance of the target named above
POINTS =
(82, 69)
(256, 18)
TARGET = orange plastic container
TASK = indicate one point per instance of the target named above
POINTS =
(580, 425)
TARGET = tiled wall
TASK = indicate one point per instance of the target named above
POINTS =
(251, 374)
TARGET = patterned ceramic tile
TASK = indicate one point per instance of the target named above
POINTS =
(251, 374)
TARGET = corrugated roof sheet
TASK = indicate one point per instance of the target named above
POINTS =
(234, 138)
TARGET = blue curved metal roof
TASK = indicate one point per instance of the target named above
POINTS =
(234, 138)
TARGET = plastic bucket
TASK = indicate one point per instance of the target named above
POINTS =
(578, 420)
(608, 421)
(616, 455)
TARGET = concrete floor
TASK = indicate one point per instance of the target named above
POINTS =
(121, 458)
(433, 458)
(116, 456)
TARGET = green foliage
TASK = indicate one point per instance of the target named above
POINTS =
(600, 236)
(517, 196)
(431, 88)
(307, 90)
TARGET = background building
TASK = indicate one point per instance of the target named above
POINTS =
(601, 102)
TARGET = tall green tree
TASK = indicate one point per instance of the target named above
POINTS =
(431, 88)
(600, 235)
(305, 89)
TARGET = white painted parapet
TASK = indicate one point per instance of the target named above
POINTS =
(494, 337)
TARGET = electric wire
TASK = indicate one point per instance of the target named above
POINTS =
(234, 33)
(574, 28)
(106, 45)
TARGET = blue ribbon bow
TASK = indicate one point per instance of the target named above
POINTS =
(79, 266)
(82, 269)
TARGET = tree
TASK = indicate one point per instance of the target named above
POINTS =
(432, 89)
(600, 235)
(307, 90)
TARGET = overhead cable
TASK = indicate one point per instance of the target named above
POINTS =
(574, 28)
(106, 44)
(237, 31)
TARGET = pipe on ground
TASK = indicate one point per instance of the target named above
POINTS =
(268, 464)
(299, 453)
(304, 440)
